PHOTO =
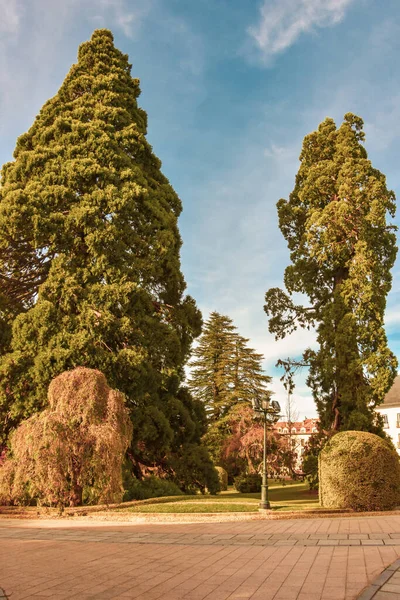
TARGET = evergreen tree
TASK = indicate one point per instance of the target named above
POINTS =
(226, 375)
(342, 250)
(212, 376)
(249, 380)
(89, 257)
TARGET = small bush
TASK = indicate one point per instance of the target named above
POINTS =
(151, 487)
(223, 478)
(247, 484)
(359, 470)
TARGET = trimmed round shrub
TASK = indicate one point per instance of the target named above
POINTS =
(248, 484)
(359, 470)
(223, 478)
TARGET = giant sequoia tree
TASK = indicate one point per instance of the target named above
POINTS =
(89, 258)
(342, 250)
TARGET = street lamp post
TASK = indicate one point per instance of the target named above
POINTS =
(270, 411)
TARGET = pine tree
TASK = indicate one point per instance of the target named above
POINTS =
(249, 378)
(211, 379)
(226, 374)
(342, 250)
(89, 255)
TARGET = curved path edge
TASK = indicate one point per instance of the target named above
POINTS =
(386, 586)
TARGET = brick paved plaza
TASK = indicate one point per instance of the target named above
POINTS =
(304, 559)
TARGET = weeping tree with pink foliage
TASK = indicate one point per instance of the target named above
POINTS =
(245, 444)
(73, 450)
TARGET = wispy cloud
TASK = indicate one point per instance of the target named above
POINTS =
(10, 12)
(283, 21)
(126, 15)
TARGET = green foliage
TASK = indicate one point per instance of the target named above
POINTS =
(223, 478)
(72, 450)
(248, 484)
(342, 250)
(312, 449)
(150, 487)
(310, 470)
(225, 371)
(193, 470)
(89, 259)
(359, 470)
(226, 374)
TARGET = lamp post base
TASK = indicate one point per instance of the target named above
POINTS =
(265, 506)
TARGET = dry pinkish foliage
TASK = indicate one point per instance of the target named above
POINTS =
(247, 442)
(73, 450)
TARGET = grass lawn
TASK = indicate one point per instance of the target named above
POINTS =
(292, 496)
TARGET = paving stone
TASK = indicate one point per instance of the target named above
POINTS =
(383, 577)
(368, 593)
(386, 596)
(391, 587)
(372, 543)
(257, 560)
(349, 542)
(392, 542)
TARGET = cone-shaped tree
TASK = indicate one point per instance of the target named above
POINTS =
(225, 371)
(226, 375)
(212, 377)
(89, 253)
(342, 250)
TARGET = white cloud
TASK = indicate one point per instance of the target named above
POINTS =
(283, 21)
(392, 316)
(127, 15)
(10, 12)
(302, 400)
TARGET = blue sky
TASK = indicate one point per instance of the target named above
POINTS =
(231, 87)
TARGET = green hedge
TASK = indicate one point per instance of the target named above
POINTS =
(151, 487)
(247, 484)
(359, 470)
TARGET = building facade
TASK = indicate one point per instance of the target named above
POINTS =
(297, 435)
(390, 411)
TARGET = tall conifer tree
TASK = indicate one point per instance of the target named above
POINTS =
(89, 258)
(211, 379)
(226, 374)
(342, 250)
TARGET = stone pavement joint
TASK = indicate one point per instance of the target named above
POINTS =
(214, 539)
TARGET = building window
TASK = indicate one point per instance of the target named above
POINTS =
(385, 421)
(280, 429)
(398, 420)
(294, 430)
(398, 440)
(302, 443)
(285, 430)
(314, 430)
(303, 430)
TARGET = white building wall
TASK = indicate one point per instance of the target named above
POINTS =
(392, 425)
